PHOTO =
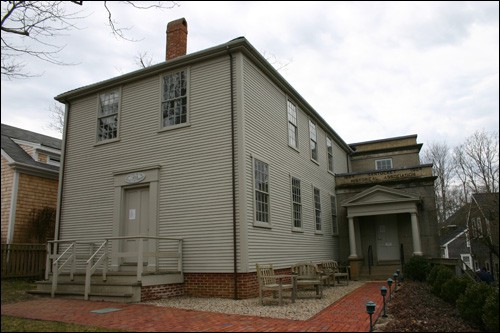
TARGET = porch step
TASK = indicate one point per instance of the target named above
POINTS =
(380, 272)
(110, 297)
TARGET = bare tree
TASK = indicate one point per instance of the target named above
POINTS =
(30, 28)
(57, 118)
(439, 154)
(476, 163)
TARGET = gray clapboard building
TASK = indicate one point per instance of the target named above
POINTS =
(211, 162)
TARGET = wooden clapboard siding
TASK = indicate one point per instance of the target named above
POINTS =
(266, 138)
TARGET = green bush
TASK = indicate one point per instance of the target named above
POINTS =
(417, 268)
(439, 274)
(471, 303)
(490, 311)
(453, 288)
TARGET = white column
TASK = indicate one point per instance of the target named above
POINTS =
(417, 247)
(352, 239)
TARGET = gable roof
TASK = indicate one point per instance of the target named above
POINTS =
(488, 204)
(379, 194)
(18, 156)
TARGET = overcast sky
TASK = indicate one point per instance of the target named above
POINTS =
(372, 70)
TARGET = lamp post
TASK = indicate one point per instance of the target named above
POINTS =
(395, 276)
(370, 309)
(389, 283)
(383, 291)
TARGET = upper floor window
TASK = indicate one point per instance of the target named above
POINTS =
(314, 142)
(384, 164)
(477, 228)
(317, 209)
(329, 149)
(54, 160)
(335, 225)
(261, 187)
(107, 119)
(297, 204)
(174, 99)
(293, 134)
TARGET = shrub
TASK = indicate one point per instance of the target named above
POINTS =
(417, 268)
(442, 274)
(470, 304)
(490, 311)
(453, 288)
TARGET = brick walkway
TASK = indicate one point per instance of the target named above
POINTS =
(346, 315)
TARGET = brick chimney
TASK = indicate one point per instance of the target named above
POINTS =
(176, 38)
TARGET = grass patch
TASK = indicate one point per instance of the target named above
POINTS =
(14, 290)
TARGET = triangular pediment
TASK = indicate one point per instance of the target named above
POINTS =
(380, 195)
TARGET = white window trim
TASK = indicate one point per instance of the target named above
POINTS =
(328, 156)
(255, 222)
(315, 140)
(294, 228)
(336, 215)
(98, 116)
(316, 231)
(296, 147)
(188, 100)
(383, 159)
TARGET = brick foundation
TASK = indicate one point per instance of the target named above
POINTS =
(150, 293)
(220, 285)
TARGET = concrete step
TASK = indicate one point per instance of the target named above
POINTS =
(109, 297)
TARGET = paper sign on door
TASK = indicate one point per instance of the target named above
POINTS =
(131, 214)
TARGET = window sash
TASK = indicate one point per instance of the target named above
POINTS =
(335, 225)
(261, 187)
(384, 164)
(107, 120)
(317, 209)
(314, 145)
(293, 134)
(297, 203)
(174, 99)
(329, 149)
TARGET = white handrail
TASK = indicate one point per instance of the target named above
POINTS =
(90, 269)
(56, 269)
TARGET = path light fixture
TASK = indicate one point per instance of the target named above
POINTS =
(383, 292)
(399, 276)
(395, 277)
(389, 283)
(370, 309)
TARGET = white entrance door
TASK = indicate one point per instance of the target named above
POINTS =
(135, 219)
(387, 237)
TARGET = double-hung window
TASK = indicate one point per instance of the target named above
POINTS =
(314, 142)
(384, 164)
(107, 119)
(329, 149)
(317, 209)
(293, 133)
(297, 204)
(261, 188)
(335, 225)
(174, 99)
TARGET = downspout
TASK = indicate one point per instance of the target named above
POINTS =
(233, 154)
(61, 173)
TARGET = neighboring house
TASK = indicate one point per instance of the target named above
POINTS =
(454, 238)
(30, 174)
(482, 221)
(217, 148)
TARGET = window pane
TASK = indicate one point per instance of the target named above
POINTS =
(174, 104)
(261, 176)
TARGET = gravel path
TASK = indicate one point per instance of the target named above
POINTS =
(302, 309)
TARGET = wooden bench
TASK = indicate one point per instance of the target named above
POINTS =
(333, 271)
(268, 281)
(308, 275)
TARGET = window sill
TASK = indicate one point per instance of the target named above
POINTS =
(262, 225)
(318, 232)
(314, 161)
(100, 143)
(298, 230)
(173, 127)
(294, 148)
